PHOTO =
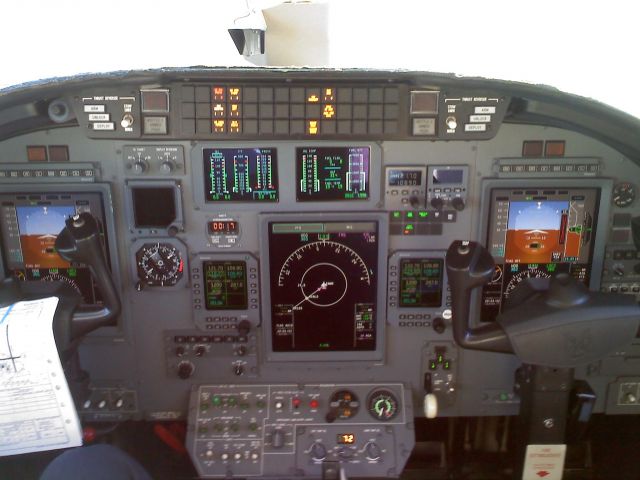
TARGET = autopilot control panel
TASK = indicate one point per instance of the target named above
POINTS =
(278, 241)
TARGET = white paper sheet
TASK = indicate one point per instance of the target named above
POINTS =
(36, 409)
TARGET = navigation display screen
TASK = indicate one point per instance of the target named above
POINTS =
(225, 285)
(240, 174)
(324, 280)
(538, 234)
(30, 226)
(420, 283)
(335, 173)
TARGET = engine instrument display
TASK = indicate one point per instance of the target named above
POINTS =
(420, 282)
(538, 234)
(323, 286)
(332, 173)
(240, 174)
(225, 285)
(30, 225)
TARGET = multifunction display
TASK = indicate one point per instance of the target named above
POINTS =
(538, 233)
(332, 173)
(420, 282)
(240, 174)
(31, 223)
(323, 286)
(225, 285)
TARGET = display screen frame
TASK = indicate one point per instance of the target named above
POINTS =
(324, 195)
(205, 289)
(265, 278)
(206, 170)
(104, 192)
(604, 186)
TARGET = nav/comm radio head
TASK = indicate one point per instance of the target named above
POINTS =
(537, 230)
(31, 222)
(325, 279)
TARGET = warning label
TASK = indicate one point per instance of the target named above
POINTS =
(544, 462)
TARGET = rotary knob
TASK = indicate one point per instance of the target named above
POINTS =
(139, 167)
(127, 120)
(373, 451)
(167, 167)
(457, 203)
(437, 203)
(185, 370)
(318, 451)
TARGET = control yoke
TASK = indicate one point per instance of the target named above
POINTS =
(549, 322)
(80, 242)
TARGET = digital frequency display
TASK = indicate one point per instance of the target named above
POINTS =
(332, 173)
(538, 234)
(404, 178)
(420, 282)
(240, 174)
(324, 280)
(29, 232)
(225, 285)
(445, 176)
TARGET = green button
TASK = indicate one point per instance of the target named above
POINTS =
(232, 402)
(409, 214)
(440, 358)
(396, 214)
(408, 226)
(423, 214)
(446, 365)
(253, 426)
(261, 404)
(432, 365)
(504, 397)
(216, 400)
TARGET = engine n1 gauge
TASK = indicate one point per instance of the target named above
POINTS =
(159, 263)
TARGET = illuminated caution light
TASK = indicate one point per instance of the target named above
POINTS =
(234, 93)
(312, 128)
(234, 126)
(218, 93)
(328, 94)
(329, 111)
(408, 229)
(234, 110)
(218, 126)
(313, 98)
(218, 110)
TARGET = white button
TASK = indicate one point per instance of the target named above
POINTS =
(99, 117)
(224, 456)
(93, 108)
(484, 109)
(480, 118)
(104, 126)
(279, 405)
(237, 456)
(475, 127)
(254, 456)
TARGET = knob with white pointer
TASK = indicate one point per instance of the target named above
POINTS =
(167, 167)
(139, 167)
(318, 451)
(437, 203)
(127, 120)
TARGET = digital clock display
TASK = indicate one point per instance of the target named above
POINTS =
(346, 439)
(223, 227)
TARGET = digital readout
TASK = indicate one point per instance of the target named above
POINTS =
(223, 227)
(225, 285)
(346, 439)
(421, 282)
(334, 173)
(404, 178)
(240, 174)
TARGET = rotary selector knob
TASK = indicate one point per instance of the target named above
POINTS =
(452, 122)
(373, 451)
(139, 167)
(437, 203)
(457, 203)
(185, 370)
(167, 167)
(318, 451)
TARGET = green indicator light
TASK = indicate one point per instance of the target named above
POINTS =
(396, 214)
(504, 397)
(447, 365)
(72, 272)
(440, 358)
(216, 400)
(423, 214)
(408, 226)
(551, 267)
(432, 365)
(409, 214)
